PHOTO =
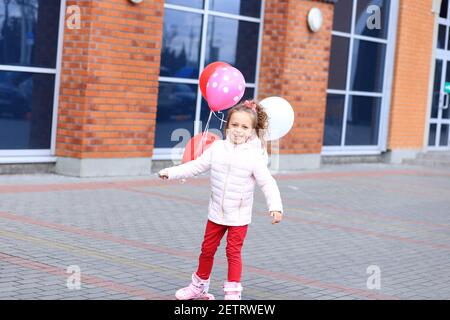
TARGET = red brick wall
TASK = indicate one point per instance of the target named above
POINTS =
(411, 75)
(109, 80)
(294, 65)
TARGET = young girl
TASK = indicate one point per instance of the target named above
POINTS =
(236, 163)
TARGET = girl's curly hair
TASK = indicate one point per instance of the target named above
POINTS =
(260, 119)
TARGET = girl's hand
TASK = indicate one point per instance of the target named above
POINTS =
(277, 216)
(163, 174)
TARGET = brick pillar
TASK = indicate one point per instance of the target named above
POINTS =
(294, 65)
(109, 89)
(412, 77)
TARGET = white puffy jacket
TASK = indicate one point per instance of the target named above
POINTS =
(234, 171)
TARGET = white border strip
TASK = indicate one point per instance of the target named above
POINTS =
(212, 12)
(13, 160)
(58, 77)
(258, 54)
(193, 81)
(359, 37)
(27, 69)
(388, 76)
(356, 93)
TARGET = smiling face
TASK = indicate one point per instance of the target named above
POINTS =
(240, 127)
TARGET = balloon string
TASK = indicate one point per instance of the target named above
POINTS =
(203, 139)
(221, 119)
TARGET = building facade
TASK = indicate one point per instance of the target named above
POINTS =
(106, 88)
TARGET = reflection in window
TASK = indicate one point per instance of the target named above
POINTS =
(26, 109)
(443, 139)
(368, 66)
(176, 110)
(432, 135)
(333, 120)
(343, 15)
(441, 37)
(436, 89)
(250, 8)
(234, 42)
(363, 119)
(337, 76)
(29, 32)
(180, 54)
(444, 8)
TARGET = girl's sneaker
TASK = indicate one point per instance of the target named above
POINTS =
(197, 290)
(232, 290)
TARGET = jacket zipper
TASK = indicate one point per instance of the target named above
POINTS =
(225, 185)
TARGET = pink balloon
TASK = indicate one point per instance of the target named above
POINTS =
(225, 88)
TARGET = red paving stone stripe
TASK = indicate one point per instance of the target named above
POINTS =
(95, 235)
(166, 196)
(194, 181)
(185, 254)
(359, 213)
(95, 281)
(298, 202)
(316, 283)
(346, 174)
(323, 224)
(383, 236)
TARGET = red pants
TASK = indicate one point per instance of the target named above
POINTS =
(235, 239)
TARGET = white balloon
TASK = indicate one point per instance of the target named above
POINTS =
(281, 117)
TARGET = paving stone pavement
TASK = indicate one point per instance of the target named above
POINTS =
(139, 237)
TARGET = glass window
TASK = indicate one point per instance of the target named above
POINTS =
(176, 110)
(441, 37)
(363, 117)
(446, 111)
(29, 32)
(337, 75)
(443, 43)
(368, 66)
(26, 109)
(187, 3)
(444, 7)
(234, 42)
(250, 8)
(436, 89)
(333, 120)
(180, 54)
(343, 15)
(432, 135)
(372, 18)
(367, 72)
(443, 140)
(229, 40)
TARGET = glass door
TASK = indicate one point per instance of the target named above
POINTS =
(439, 125)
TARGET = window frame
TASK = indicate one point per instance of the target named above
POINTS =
(41, 155)
(385, 95)
(177, 153)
